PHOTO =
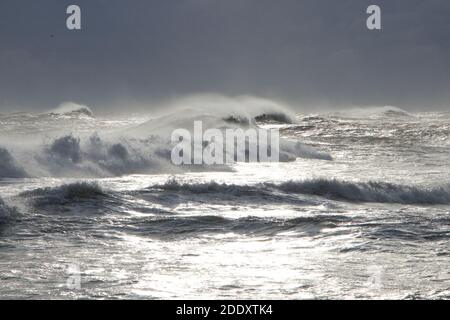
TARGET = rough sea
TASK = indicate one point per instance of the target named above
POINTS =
(358, 208)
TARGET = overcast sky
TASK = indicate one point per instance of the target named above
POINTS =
(306, 52)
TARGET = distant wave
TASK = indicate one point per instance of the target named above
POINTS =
(277, 117)
(225, 118)
(374, 112)
(99, 156)
(301, 150)
(72, 109)
(368, 191)
(377, 192)
(8, 166)
(64, 142)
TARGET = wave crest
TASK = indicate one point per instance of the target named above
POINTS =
(380, 192)
(375, 192)
(72, 109)
(64, 194)
(275, 117)
(374, 112)
(8, 166)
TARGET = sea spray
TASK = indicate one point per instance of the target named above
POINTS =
(8, 166)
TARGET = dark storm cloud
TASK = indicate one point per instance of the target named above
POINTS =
(311, 52)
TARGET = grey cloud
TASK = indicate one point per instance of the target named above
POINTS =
(311, 52)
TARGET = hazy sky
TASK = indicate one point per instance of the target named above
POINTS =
(309, 53)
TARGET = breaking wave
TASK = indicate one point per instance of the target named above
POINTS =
(71, 109)
(8, 166)
(380, 192)
(376, 192)
(65, 194)
(69, 155)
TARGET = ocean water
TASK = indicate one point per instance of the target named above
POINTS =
(91, 207)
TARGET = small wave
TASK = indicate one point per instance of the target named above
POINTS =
(374, 112)
(301, 150)
(238, 120)
(376, 192)
(208, 187)
(65, 194)
(175, 227)
(380, 192)
(8, 167)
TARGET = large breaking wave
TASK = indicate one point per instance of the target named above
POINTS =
(381, 192)
(83, 149)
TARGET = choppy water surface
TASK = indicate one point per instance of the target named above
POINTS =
(373, 222)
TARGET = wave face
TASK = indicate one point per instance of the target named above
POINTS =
(65, 194)
(369, 191)
(376, 192)
(8, 166)
(375, 112)
(95, 156)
